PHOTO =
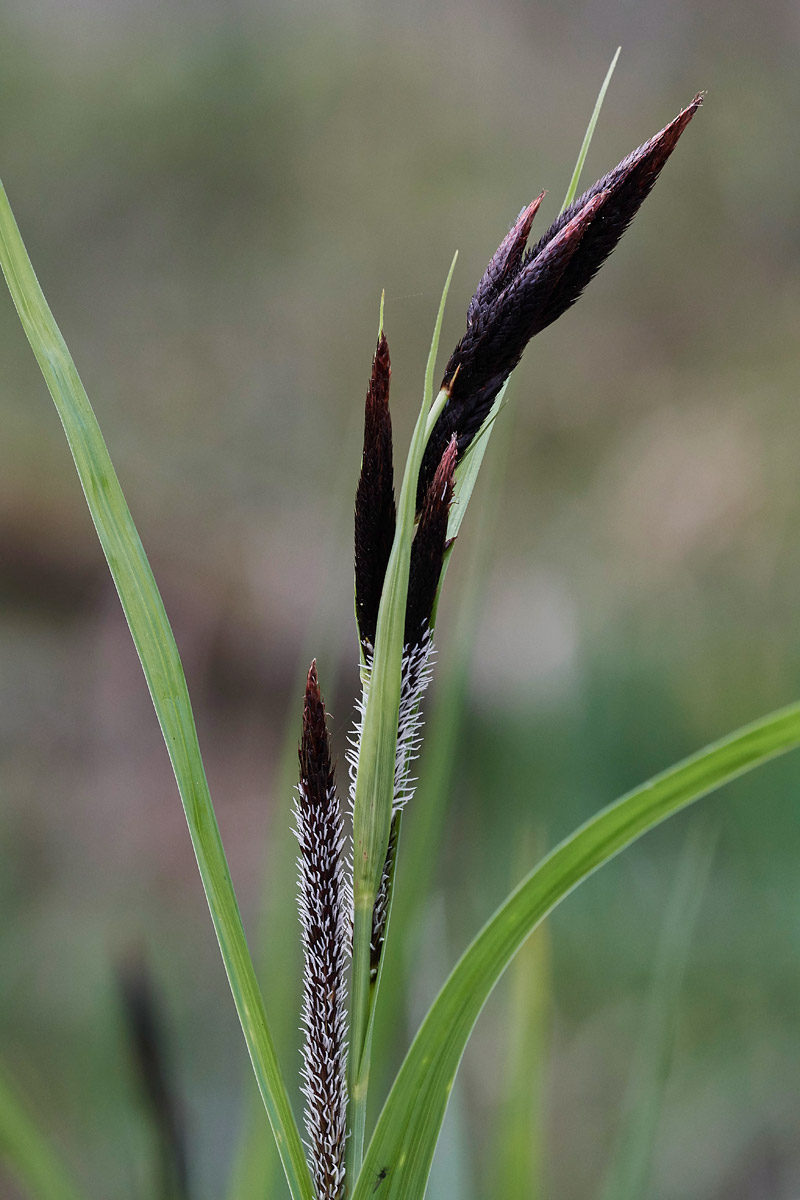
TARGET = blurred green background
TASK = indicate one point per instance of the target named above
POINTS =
(214, 195)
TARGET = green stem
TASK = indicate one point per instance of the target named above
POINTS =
(374, 791)
(376, 784)
(359, 1017)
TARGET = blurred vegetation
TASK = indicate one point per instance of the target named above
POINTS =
(213, 197)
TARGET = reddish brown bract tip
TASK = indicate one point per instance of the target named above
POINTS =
(375, 508)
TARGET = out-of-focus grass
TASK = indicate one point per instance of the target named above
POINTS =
(631, 1162)
(27, 1151)
(648, 520)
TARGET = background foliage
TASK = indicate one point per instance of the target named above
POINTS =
(213, 199)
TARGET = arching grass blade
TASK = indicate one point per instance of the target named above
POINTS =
(158, 653)
(405, 1138)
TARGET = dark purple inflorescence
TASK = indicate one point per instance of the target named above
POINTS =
(375, 507)
(521, 294)
(428, 547)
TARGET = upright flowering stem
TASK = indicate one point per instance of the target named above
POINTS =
(376, 764)
(325, 932)
(427, 558)
(375, 522)
(400, 550)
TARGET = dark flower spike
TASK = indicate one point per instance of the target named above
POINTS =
(627, 187)
(538, 287)
(483, 361)
(428, 547)
(325, 928)
(375, 507)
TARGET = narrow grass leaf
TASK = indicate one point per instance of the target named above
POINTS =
(572, 190)
(453, 1171)
(27, 1153)
(402, 1147)
(163, 671)
(256, 1168)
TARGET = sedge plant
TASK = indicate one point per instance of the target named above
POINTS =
(347, 863)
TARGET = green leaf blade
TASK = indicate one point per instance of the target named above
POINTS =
(405, 1137)
(572, 190)
(158, 653)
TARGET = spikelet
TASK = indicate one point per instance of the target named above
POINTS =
(520, 294)
(325, 933)
(375, 515)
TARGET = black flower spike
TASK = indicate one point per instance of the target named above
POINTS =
(375, 508)
(325, 931)
(626, 187)
(428, 547)
(537, 287)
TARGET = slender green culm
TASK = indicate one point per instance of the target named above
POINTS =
(518, 296)
(376, 763)
(163, 671)
(572, 190)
